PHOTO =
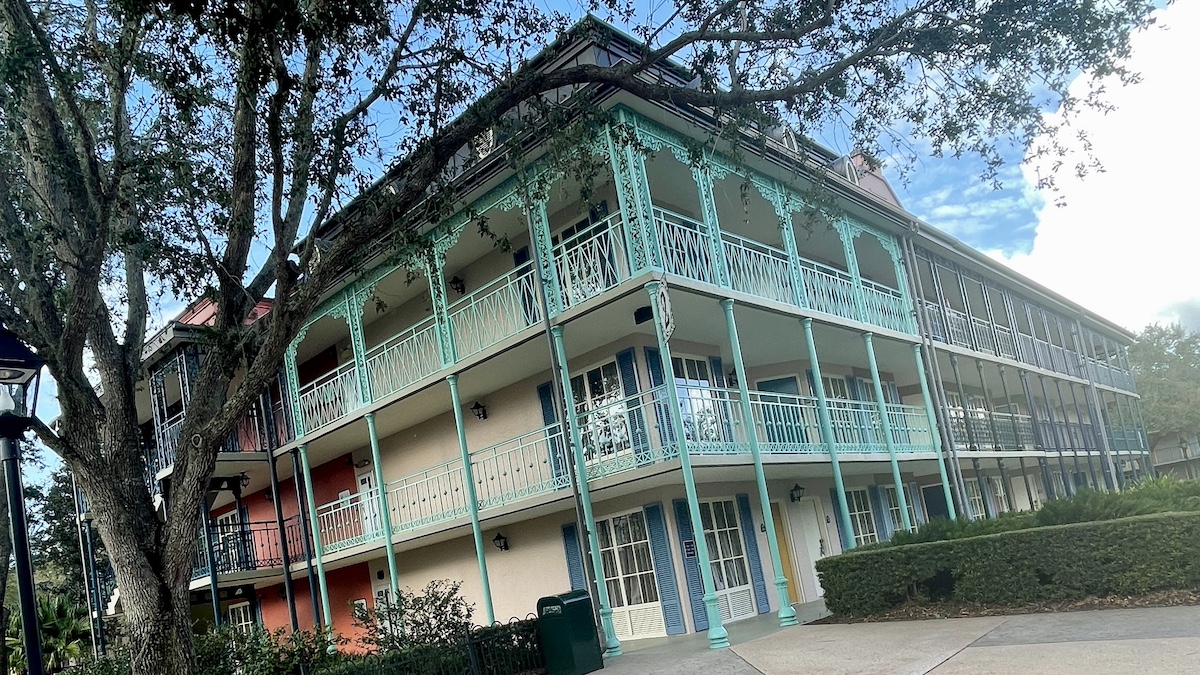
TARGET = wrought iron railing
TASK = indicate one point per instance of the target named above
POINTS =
(828, 289)
(350, 520)
(531, 464)
(685, 246)
(404, 358)
(329, 397)
(512, 648)
(591, 261)
(1006, 345)
(497, 310)
(627, 433)
(431, 496)
(248, 547)
(886, 307)
(758, 269)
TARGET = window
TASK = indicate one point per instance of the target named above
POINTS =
(723, 538)
(703, 418)
(975, 498)
(861, 518)
(835, 387)
(628, 563)
(603, 424)
(1000, 497)
(893, 504)
(241, 618)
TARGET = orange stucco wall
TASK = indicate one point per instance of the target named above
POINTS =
(345, 586)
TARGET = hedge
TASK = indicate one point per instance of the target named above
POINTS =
(1128, 556)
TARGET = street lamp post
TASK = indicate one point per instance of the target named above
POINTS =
(19, 368)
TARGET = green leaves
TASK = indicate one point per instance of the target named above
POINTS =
(1166, 367)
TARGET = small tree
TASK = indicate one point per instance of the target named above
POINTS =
(64, 633)
(1166, 368)
(438, 615)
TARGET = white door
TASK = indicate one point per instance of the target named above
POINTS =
(629, 576)
(225, 543)
(369, 504)
(241, 618)
(727, 556)
(816, 538)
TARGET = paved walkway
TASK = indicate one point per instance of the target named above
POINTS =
(1155, 640)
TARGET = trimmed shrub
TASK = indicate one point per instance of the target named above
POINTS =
(1128, 556)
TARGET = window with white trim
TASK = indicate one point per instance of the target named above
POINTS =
(702, 414)
(603, 424)
(861, 518)
(999, 496)
(975, 498)
(241, 618)
(893, 505)
(835, 387)
(628, 563)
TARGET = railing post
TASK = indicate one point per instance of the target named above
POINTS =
(787, 614)
(933, 430)
(847, 232)
(292, 394)
(702, 176)
(435, 263)
(718, 637)
(542, 247)
(827, 432)
(318, 550)
(633, 198)
(886, 427)
(385, 512)
(472, 498)
(612, 646)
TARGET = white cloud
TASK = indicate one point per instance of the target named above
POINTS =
(1127, 240)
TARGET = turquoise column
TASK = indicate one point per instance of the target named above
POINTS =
(358, 343)
(612, 646)
(292, 375)
(847, 233)
(434, 265)
(886, 423)
(933, 431)
(787, 613)
(385, 512)
(718, 637)
(318, 549)
(827, 433)
(472, 499)
(702, 176)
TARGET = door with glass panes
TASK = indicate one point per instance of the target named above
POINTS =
(602, 416)
(629, 576)
(704, 408)
(727, 557)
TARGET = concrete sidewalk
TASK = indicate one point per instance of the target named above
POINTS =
(1155, 640)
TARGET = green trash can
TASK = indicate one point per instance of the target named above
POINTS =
(567, 628)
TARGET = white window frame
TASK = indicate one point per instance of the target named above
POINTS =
(241, 617)
(862, 521)
(975, 498)
(893, 506)
(717, 559)
(623, 614)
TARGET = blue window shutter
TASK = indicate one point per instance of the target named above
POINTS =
(915, 498)
(843, 537)
(638, 439)
(691, 566)
(664, 569)
(558, 459)
(753, 559)
(574, 557)
(879, 510)
(662, 411)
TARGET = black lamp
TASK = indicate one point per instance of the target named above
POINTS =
(796, 493)
(457, 284)
(245, 481)
(500, 541)
(479, 411)
(20, 368)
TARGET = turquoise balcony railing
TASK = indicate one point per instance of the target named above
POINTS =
(1006, 345)
(885, 307)
(330, 397)
(828, 289)
(498, 310)
(758, 269)
(616, 436)
(522, 467)
(591, 261)
(404, 358)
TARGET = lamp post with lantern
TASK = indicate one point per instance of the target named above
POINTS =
(20, 375)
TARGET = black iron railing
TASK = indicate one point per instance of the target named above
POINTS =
(248, 547)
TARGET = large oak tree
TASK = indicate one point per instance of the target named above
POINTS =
(156, 149)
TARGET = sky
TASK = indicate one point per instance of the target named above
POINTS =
(1122, 243)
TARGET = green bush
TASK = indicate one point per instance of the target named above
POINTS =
(1127, 556)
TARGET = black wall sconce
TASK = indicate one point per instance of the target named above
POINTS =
(457, 284)
(796, 493)
(479, 411)
(500, 541)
